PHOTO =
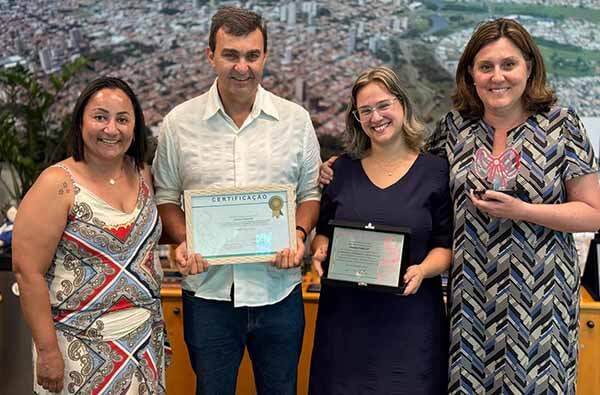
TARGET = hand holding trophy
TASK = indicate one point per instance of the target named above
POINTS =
(498, 174)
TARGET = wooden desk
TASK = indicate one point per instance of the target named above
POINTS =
(588, 374)
(181, 380)
(180, 377)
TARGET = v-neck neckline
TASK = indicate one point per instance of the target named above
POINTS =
(396, 182)
(103, 201)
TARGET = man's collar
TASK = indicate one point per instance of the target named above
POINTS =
(213, 104)
(263, 102)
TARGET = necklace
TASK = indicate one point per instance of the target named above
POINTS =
(113, 181)
(388, 167)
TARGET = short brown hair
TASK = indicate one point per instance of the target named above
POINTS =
(537, 96)
(412, 129)
(238, 22)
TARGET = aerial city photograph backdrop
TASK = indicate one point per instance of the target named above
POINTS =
(316, 49)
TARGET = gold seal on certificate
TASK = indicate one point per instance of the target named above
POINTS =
(240, 225)
(275, 204)
(367, 256)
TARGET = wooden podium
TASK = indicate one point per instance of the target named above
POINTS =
(588, 373)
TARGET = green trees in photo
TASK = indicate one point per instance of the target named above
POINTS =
(32, 135)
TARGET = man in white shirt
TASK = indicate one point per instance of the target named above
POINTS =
(238, 134)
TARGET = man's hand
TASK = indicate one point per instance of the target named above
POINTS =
(287, 259)
(189, 264)
(50, 370)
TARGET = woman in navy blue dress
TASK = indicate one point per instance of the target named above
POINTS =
(376, 343)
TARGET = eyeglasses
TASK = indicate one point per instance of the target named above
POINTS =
(364, 114)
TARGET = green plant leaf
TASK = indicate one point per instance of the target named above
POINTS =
(32, 136)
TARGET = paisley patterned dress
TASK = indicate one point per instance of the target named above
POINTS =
(104, 287)
(514, 293)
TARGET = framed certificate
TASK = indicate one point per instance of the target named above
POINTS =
(240, 225)
(591, 274)
(367, 256)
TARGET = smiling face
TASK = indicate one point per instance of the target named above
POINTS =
(383, 126)
(500, 74)
(107, 125)
(239, 62)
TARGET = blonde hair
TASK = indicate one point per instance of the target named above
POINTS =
(412, 129)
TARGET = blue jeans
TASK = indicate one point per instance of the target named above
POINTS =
(216, 334)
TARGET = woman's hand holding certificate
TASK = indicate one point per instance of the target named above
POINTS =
(319, 247)
(413, 278)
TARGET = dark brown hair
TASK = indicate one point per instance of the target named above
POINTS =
(536, 97)
(412, 129)
(137, 149)
(237, 22)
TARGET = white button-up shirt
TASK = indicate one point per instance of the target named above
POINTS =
(200, 146)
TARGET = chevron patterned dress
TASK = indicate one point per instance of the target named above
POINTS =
(514, 285)
(104, 286)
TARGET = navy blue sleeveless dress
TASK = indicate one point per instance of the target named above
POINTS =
(375, 343)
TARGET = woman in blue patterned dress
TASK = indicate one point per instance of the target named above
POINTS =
(522, 178)
(514, 292)
(84, 256)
